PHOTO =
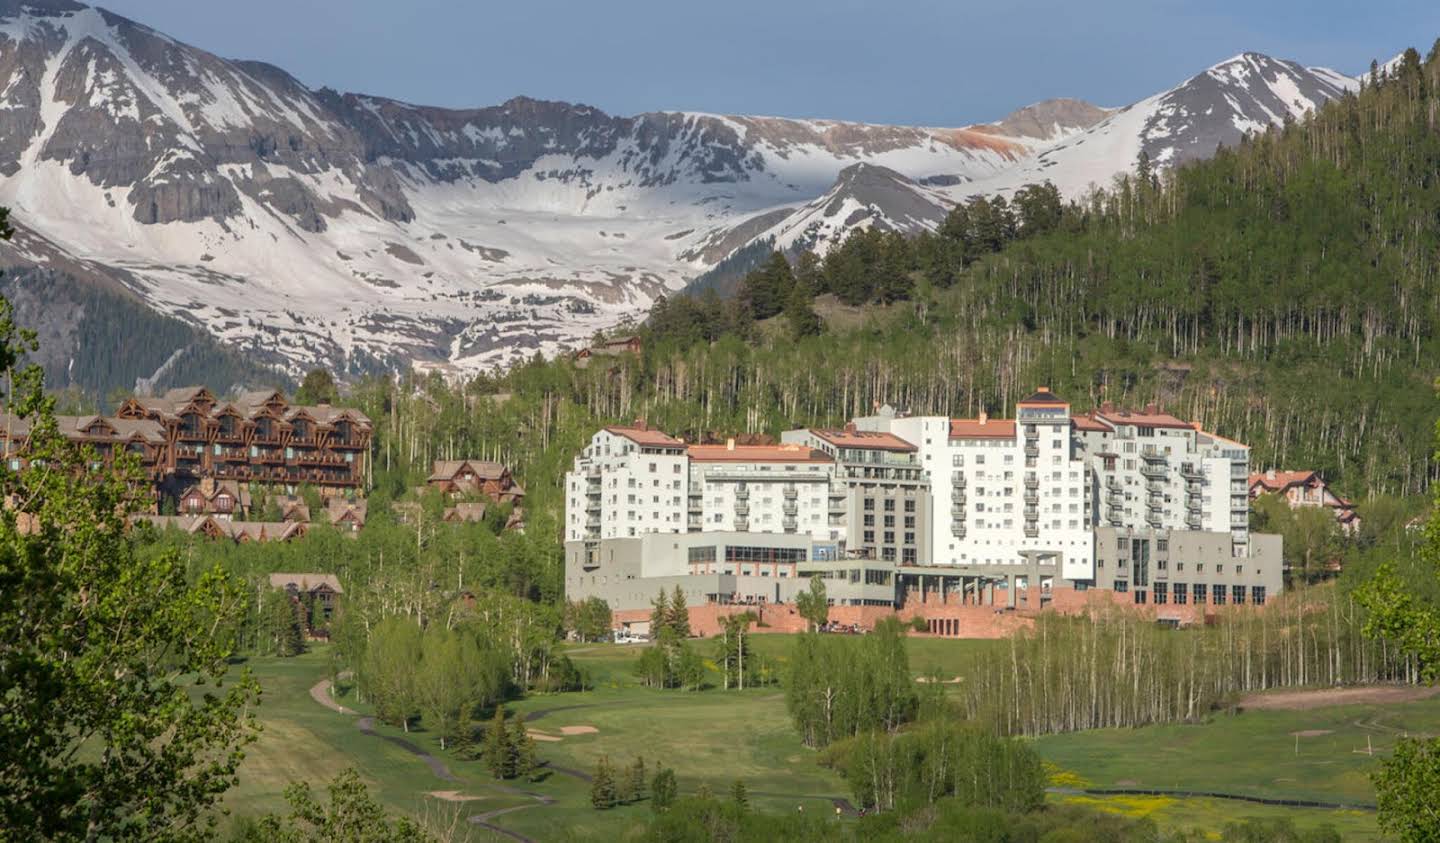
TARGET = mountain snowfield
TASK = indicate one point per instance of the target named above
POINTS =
(307, 226)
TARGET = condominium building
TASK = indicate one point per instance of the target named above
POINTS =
(880, 493)
(628, 482)
(1008, 510)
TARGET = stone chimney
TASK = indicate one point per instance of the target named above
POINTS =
(1270, 475)
(640, 424)
(1152, 408)
(984, 417)
(850, 427)
(207, 486)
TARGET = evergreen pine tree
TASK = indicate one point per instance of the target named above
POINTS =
(659, 614)
(635, 780)
(679, 615)
(527, 765)
(499, 749)
(663, 790)
(739, 796)
(602, 786)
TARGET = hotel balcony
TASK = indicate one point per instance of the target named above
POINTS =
(1153, 470)
(957, 479)
(958, 529)
(742, 509)
(1032, 482)
(1032, 531)
(791, 493)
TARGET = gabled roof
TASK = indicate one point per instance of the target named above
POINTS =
(986, 428)
(1276, 481)
(864, 439)
(1043, 397)
(337, 510)
(756, 453)
(646, 437)
(1151, 417)
(306, 582)
(1088, 423)
(484, 469)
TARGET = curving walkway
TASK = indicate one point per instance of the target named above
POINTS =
(320, 692)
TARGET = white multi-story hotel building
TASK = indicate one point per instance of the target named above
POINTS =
(630, 481)
(1156, 471)
(1004, 490)
(1138, 502)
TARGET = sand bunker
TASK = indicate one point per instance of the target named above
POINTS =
(578, 730)
(541, 736)
(1364, 695)
(453, 796)
(1312, 733)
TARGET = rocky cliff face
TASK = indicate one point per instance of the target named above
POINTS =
(307, 226)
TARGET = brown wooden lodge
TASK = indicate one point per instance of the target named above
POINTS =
(188, 435)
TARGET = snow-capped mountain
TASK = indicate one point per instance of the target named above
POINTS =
(305, 225)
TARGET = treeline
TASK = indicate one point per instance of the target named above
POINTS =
(1117, 668)
(839, 687)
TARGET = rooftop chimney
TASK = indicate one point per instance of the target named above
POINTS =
(730, 444)
(850, 427)
(640, 424)
(984, 417)
(1152, 408)
(1270, 475)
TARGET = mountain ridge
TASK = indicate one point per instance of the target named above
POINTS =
(366, 232)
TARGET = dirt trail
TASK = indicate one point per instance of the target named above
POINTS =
(1321, 697)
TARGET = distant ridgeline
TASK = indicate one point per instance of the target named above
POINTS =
(1285, 292)
(98, 341)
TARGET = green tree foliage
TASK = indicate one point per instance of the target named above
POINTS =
(663, 790)
(1405, 789)
(527, 761)
(1118, 669)
(677, 618)
(940, 759)
(590, 619)
(499, 752)
(117, 720)
(603, 792)
(738, 666)
(634, 785)
(840, 686)
(813, 605)
(739, 796)
(1311, 535)
(351, 814)
(319, 387)
(454, 677)
(764, 292)
(388, 673)
(279, 632)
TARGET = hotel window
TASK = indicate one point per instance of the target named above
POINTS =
(1122, 586)
(909, 538)
(1181, 593)
(1139, 597)
(889, 537)
(1237, 595)
(1197, 591)
(869, 537)
(1162, 593)
(1217, 595)
(869, 504)
(907, 556)
(887, 554)
(1257, 595)
(910, 505)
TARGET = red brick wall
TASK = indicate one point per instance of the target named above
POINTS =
(949, 619)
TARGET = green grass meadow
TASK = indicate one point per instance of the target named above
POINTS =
(712, 738)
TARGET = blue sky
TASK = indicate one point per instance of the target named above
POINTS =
(928, 62)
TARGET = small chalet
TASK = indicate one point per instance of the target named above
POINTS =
(1305, 488)
(316, 597)
(609, 348)
(221, 498)
(475, 479)
(346, 516)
